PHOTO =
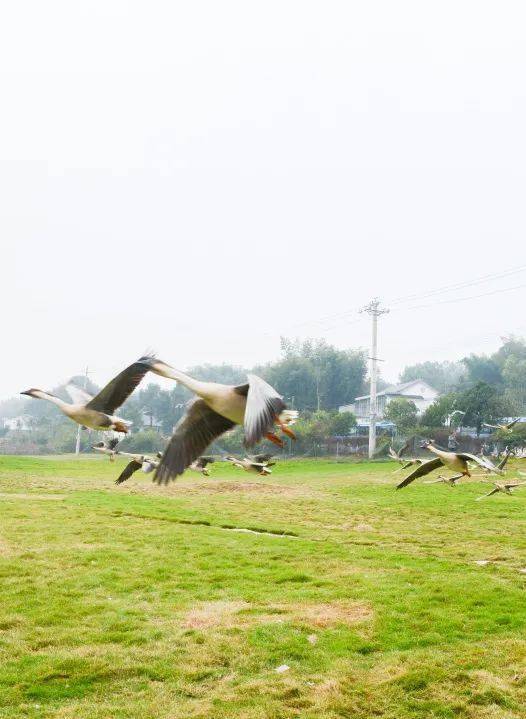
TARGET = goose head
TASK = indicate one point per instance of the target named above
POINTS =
(36, 393)
(425, 444)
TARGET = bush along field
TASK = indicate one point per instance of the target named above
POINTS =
(318, 592)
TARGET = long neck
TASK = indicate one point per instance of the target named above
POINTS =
(194, 385)
(437, 451)
(40, 394)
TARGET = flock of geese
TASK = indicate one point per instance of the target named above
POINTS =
(217, 408)
(457, 462)
(255, 405)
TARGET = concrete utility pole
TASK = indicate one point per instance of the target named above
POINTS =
(77, 445)
(373, 308)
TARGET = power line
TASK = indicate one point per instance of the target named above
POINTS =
(460, 299)
(460, 285)
(415, 296)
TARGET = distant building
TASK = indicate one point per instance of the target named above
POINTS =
(417, 391)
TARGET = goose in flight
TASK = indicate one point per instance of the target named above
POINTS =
(397, 456)
(201, 465)
(249, 466)
(255, 405)
(262, 459)
(454, 461)
(452, 481)
(506, 487)
(107, 447)
(97, 412)
(508, 427)
(138, 461)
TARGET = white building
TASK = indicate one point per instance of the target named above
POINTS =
(416, 391)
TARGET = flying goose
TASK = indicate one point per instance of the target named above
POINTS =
(107, 447)
(97, 412)
(255, 405)
(503, 427)
(506, 487)
(397, 456)
(452, 481)
(138, 461)
(262, 458)
(200, 465)
(455, 461)
(257, 467)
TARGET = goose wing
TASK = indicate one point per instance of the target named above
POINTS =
(194, 432)
(127, 472)
(421, 471)
(113, 442)
(120, 388)
(403, 449)
(78, 395)
(504, 460)
(493, 491)
(483, 462)
(264, 405)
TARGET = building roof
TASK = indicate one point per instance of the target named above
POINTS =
(398, 389)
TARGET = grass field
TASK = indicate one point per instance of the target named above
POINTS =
(147, 602)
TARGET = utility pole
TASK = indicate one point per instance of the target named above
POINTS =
(373, 309)
(77, 445)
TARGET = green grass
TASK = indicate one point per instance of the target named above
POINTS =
(142, 602)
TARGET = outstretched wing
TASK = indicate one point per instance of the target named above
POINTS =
(78, 395)
(421, 471)
(504, 460)
(264, 405)
(483, 462)
(404, 449)
(120, 388)
(127, 472)
(261, 457)
(194, 432)
(493, 491)
(512, 424)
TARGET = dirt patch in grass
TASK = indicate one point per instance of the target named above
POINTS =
(218, 487)
(6, 549)
(214, 614)
(229, 614)
(328, 615)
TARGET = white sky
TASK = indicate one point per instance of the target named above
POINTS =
(201, 177)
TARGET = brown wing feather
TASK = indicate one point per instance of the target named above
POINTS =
(194, 432)
(127, 472)
(264, 404)
(421, 471)
(119, 389)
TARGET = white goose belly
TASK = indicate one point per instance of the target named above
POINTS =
(229, 404)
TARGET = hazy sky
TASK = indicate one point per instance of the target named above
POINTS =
(203, 177)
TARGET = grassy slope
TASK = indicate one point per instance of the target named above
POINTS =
(141, 602)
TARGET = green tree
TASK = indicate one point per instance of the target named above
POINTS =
(482, 369)
(403, 412)
(481, 403)
(316, 374)
(437, 413)
(341, 423)
(442, 376)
